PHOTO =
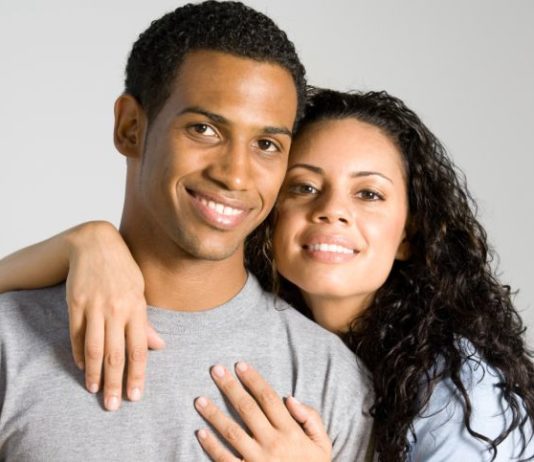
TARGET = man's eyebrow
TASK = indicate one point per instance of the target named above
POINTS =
(277, 131)
(269, 130)
(198, 110)
(320, 171)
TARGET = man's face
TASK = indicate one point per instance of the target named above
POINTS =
(216, 154)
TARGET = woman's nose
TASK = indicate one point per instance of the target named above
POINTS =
(332, 209)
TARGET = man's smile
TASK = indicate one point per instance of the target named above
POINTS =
(218, 211)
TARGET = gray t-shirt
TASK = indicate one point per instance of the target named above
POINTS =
(47, 415)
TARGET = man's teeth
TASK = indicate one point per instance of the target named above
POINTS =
(330, 248)
(220, 208)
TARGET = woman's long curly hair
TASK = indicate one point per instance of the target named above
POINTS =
(445, 293)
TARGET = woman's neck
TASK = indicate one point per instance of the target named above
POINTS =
(336, 314)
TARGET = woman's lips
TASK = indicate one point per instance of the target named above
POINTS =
(330, 249)
(323, 247)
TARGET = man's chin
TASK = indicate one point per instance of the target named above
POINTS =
(211, 251)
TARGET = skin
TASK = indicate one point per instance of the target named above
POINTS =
(345, 182)
(223, 137)
(345, 186)
(277, 430)
(220, 138)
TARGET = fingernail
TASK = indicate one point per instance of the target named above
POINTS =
(93, 387)
(241, 366)
(294, 399)
(80, 365)
(202, 434)
(135, 394)
(112, 403)
(218, 371)
(201, 402)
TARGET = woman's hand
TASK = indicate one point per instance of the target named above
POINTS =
(278, 431)
(107, 312)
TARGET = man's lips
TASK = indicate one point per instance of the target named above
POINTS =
(218, 211)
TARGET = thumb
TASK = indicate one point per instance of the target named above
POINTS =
(310, 421)
(155, 342)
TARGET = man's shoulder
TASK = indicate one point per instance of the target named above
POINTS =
(310, 336)
(17, 298)
(291, 316)
(30, 306)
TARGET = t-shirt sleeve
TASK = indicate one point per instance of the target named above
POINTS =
(351, 430)
(353, 442)
(3, 379)
(441, 434)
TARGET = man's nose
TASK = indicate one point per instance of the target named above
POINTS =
(230, 167)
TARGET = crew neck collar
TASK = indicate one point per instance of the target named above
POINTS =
(168, 321)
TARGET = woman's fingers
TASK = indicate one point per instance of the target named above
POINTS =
(214, 448)
(94, 352)
(154, 340)
(113, 364)
(269, 401)
(310, 421)
(137, 351)
(77, 334)
(277, 432)
(232, 432)
(244, 404)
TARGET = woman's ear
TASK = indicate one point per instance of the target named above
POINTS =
(130, 125)
(404, 249)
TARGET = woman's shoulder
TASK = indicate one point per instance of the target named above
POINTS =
(440, 432)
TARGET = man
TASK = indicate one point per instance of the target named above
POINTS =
(212, 95)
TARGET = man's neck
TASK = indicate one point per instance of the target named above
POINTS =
(183, 283)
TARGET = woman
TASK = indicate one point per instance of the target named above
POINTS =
(375, 238)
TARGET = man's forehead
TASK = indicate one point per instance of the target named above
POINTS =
(232, 88)
(208, 64)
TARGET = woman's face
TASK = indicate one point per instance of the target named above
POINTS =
(342, 212)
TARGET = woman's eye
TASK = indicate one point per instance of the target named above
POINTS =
(303, 189)
(203, 129)
(370, 195)
(268, 146)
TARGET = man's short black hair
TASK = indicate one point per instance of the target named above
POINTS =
(230, 27)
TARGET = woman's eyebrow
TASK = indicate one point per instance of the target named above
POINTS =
(320, 171)
(312, 168)
(370, 173)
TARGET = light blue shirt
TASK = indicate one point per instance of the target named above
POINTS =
(441, 432)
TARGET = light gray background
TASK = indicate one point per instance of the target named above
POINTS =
(467, 67)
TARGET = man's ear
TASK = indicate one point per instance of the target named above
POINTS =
(130, 125)
(403, 250)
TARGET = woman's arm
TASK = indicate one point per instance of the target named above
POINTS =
(280, 431)
(440, 430)
(105, 296)
(39, 265)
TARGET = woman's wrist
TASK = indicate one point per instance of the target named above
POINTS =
(91, 233)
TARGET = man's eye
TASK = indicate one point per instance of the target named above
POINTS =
(370, 195)
(303, 189)
(203, 129)
(267, 145)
